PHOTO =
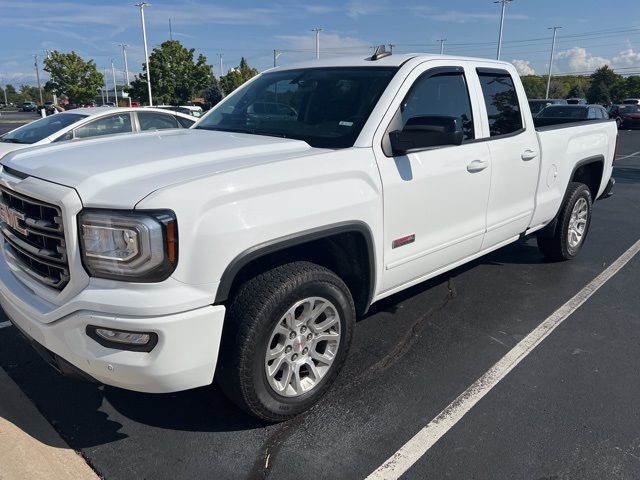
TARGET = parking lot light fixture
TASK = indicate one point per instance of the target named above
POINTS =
(146, 49)
(504, 5)
(553, 48)
(317, 30)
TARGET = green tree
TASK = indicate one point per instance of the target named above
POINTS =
(72, 76)
(576, 92)
(534, 86)
(605, 83)
(632, 85)
(599, 93)
(557, 89)
(175, 77)
(237, 76)
(214, 93)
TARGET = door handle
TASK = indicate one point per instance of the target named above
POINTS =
(477, 166)
(528, 155)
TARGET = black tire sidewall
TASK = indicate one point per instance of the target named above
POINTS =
(277, 405)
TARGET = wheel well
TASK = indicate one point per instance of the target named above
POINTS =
(348, 254)
(591, 175)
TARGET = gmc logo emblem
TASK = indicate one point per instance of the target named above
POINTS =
(12, 217)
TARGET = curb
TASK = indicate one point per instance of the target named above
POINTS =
(29, 446)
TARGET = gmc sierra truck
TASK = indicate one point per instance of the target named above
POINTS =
(247, 246)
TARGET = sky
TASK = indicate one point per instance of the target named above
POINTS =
(594, 32)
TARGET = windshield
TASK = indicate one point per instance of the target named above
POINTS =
(325, 107)
(630, 109)
(564, 112)
(36, 131)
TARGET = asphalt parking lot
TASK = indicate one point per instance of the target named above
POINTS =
(568, 410)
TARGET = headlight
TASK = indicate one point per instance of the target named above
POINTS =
(138, 246)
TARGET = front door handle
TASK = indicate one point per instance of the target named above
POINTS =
(528, 155)
(477, 166)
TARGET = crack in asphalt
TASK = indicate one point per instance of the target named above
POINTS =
(264, 463)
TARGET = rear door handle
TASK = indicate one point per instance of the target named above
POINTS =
(528, 155)
(477, 166)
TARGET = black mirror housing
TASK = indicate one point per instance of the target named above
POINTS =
(426, 132)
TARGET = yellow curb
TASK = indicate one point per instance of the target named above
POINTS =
(29, 446)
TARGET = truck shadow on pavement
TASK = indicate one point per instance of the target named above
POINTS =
(87, 415)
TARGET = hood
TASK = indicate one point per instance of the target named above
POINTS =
(6, 147)
(119, 172)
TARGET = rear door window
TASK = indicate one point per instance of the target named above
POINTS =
(501, 99)
(109, 125)
(156, 121)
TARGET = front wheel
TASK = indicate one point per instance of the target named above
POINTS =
(287, 335)
(572, 225)
(619, 122)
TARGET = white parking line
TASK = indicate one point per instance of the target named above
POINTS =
(634, 154)
(5, 324)
(420, 444)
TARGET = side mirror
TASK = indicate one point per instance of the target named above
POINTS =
(426, 132)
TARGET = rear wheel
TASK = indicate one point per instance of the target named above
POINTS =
(619, 122)
(572, 225)
(286, 337)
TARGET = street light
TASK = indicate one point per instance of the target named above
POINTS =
(220, 57)
(146, 50)
(317, 30)
(553, 48)
(115, 85)
(35, 58)
(126, 65)
(504, 4)
(441, 41)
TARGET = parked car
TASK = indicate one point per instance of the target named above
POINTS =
(29, 107)
(626, 116)
(631, 101)
(577, 101)
(536, 104)
(247, 248)
(84, 123)
(186, 109)
(554, 114)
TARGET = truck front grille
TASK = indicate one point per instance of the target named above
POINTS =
(34, 237)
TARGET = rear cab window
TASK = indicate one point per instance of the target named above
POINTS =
(502, 102)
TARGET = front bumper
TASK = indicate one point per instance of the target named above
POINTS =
(184, 357)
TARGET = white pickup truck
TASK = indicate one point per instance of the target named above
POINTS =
(247, 246)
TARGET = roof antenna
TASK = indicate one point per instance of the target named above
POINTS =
(379, 53)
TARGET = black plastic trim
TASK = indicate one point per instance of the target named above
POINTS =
(14, 173)
(493, 71)
(608, 192)
(146, 348)
(295, 239)
(498, 137)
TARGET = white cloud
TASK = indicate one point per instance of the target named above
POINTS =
(330, 43)
(523, 67)
(577, 59)
(455, 16)
(627, 58)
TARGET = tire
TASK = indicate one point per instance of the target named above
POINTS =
(572, 225)
(259, 321)
(619, 122)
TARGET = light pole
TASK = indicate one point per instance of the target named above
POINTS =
(276, 54)
(55, 97)
(317, 30)
(553, 48)
(441, 41)
(220, 57)
(35, 57)
(115, 86)
(504, 4)
(126, 65)
(146, 50)
(106, 87)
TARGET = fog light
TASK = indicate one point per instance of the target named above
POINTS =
(122, 339)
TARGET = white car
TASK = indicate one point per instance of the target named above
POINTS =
(84, 123)
(247, 245)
